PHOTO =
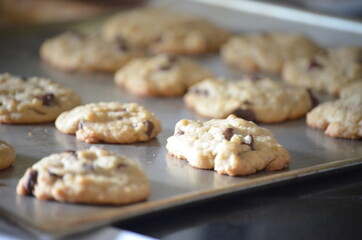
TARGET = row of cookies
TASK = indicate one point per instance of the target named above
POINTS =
(168, 75)
(93, 175)
(129, 35)
(300, 61)
(78, 176)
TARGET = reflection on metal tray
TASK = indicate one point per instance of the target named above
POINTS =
(173, 182)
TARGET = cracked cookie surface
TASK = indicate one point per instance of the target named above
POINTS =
(253, 99)
(91, 176)
(160, 75)
(231, 146)
(110, 122)
(27, 100)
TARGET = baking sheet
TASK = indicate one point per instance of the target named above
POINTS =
(173, 182)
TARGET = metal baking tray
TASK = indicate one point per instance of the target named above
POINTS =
(173, 182)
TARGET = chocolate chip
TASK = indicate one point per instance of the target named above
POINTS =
(30, 181)
(54, 175)
(80, 125)
(25, 79)
(121, 165)
(249, 141)
(201, 92)
(47, 99)
(359, 60)
(149, 125)
(88, 166)
(179, 133)
(171, 60)
(247, 102)
(314, 100)
(70, 151)
(246, 114)
(122, 44)
(314, 64)
(228, 133)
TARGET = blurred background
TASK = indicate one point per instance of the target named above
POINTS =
(45, 11)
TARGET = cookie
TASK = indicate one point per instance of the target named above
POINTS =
(327, 72)
(340, 118)
(28, 100)
(192, 37)
(110, 122)
(254, 99)
(160, 75)
(73, 51)
(163, 31)
(266, 52)
(231, 146)
(7, 155)
(92, 176)
(140, 26)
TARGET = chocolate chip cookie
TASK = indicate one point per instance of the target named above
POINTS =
(340, 118)
(327, 72)
(74, 51)
(252, 98)
(160, 75)
(163, 31)
(231, 146)
(92, 176)
(266, 52)
(27, 100)
(191, 37)
(110, 122)
(7, 155)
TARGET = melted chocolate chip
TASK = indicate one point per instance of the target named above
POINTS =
(201, 92)
(250, 142)
(149, 125)
(71, 152)
(359, 60)
(179, 133)
(54, 175)
(25, 79)
(228, 133)
(171, 60)
(80, 125)
(122, 44)
(247, 102)
(31, 181)
(314, 100)
(314, 65)
(88, 166)
(47, 99)
(246, 114)
(121, 165)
